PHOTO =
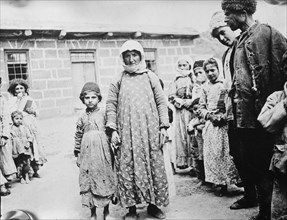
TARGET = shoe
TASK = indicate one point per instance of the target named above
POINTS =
(243, 203)
(260, 216)
(222, 191)
(132, 214)
(5, 192)
(36, 175)
(155, 212)
(8, 185)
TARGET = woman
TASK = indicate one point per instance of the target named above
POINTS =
(180, 95)
(21, 101)
(136, 115)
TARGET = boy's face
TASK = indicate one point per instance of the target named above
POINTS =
(211, 72)
(17, 120)
(91, 100)
(199, 74)
(224, 35)
(195, 109)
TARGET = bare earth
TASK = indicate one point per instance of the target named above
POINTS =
(56, 194)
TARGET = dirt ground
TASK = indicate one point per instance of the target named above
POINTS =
(56, 194)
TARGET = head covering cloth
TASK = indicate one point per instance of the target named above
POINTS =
(183, 73)
(131, 45)
(216, 21)
(90, 87)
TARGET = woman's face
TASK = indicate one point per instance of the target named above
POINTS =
(19, 90)
(211, 72)
(224, 35)
(131, 57)
(183, 65)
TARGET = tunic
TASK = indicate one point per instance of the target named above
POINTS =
(218, 164)
(29, 120)
(182, 88)
(96, 179)
(7, 165)
(137, 109)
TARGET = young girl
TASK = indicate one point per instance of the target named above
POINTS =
(180, 95)
(218, 164)
(21, 140)
(96, 179)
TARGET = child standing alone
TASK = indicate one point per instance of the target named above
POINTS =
(96, 178)
(21, 140)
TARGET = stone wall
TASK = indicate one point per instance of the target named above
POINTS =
(50, 66)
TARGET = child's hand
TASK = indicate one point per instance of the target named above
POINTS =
(3, 141)
(115, 138)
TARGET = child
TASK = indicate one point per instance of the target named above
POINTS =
(21, 140)
(200, 78)
(180, 96)
(96, 179)
(273, 117)
(195, 128)
(218, 164)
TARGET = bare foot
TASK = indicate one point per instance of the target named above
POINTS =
(22, 181)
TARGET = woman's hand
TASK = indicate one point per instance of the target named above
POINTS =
(30, 111)
(163, 136)
(115, 139)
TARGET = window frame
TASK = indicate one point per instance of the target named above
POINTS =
(19, 51)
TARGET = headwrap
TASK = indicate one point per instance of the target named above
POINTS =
(239, 5)
(198, 63)
(217, 20)
(183, 72)
(90, 87)
(13, 83)
(131, 45)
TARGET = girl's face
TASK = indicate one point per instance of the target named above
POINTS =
(211, 72)
(199, 75)
(196, 110)
(91, 100)
(225, 35)
(183, 65)
(131, 57)
(19, 90)
(17, 120)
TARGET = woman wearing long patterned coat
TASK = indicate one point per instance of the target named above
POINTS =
(137, 115)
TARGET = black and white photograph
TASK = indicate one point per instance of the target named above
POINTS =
(143, 109)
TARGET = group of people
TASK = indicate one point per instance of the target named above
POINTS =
(227, 122)
(21, 151)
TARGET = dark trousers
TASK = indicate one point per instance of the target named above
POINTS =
(252, 150)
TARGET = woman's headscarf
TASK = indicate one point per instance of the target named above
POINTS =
(131, 45)
(180, 72)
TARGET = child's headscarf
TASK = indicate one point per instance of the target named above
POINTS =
(131, 45)
(182, 73)
(217, 21)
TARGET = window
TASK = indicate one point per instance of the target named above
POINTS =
(17, 64)
(150, 59)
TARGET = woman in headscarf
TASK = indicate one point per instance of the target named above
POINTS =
(180, 95)
(21, 101)
(137, 117)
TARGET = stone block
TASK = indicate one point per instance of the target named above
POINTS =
(64, 102)
(45, 44)
(171, 51)
(41, 74)
(50, 53)
(104, 52)
(107, 44)
(36, 54)
(107, 71)
(47, 103)
(53, 63)
(64, 53)
(52, 93)
(107, 62)
(39, 84)
(67, 92)
(53, 84)
(36, 94)
(64, 73)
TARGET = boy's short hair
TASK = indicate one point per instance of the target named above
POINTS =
(194, 102)
(15, 113)
(198, 63)
(211, 61)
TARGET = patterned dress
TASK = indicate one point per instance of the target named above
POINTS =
(137, 108)
(97, 179)
(218, 164)
(182, 88)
